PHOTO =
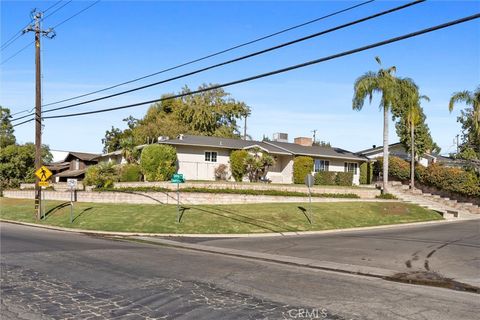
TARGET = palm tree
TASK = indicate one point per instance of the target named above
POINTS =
(409, 100)
(383, 81)
(471, 99)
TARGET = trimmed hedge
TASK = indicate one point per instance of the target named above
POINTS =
(301, 167)
(397, 168)
(130, 173)
(101, 175)
(366, 173)
(344, 178)
(325, 178)
(238, 165)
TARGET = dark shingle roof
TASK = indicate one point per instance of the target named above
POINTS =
(317, 151)
(226, 143)
(272, 147)
(82, 155)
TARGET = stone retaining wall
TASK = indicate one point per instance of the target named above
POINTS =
(364, 193)
(186, 198)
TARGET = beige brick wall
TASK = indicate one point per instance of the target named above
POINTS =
(165, 197)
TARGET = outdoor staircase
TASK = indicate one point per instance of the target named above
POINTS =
(448, 208)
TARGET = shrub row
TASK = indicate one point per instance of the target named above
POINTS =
(330, 178)
(234, 191)
(463, 182)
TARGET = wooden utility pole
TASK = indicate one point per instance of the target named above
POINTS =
(37, 16)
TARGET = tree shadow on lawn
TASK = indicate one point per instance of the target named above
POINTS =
(248, 220)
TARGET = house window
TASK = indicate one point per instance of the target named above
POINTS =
(210, 156)
(321, 165)
(351, 167)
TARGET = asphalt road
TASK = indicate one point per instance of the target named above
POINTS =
(449, 249)
(57, 275)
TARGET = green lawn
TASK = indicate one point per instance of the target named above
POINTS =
(251, 218)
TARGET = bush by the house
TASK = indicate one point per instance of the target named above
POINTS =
(158, 162)
(102, 175)
(130, 173)
(344, 178)
(366, 173)
(397, 168)
(258, 162)
(301, 167)
(237, 164)
(221, 172)
(325, 178)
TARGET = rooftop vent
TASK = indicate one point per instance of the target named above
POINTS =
(162, 138)
(180, 137)
(280, 137)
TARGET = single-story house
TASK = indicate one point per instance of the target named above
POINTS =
(73, 166)
(397, 150)
(198, 156)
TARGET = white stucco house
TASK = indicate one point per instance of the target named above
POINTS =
(198, 156)
(397, 150)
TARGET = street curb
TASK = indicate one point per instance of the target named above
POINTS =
(288, 260)
(232, 235)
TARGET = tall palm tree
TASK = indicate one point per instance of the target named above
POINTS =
(409, 100)
(471, 99)
(384, 82)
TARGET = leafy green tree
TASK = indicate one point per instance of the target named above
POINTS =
(112, 140)
(472, 100)
(158, 162)
(238, 165)
(17, 164)
(129, 151)
(211, 113)
(257, 163)
(385, 83)
(6, 129)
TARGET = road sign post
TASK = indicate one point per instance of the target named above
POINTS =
(309, 181)
(178, 178)
(43, 174)
(72, 185)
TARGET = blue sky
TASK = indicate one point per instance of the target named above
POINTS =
(115, 41)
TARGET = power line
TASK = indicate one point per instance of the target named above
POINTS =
(76, 14)
(278, 71)
(57, 25)
(19, 33)
(17, 53)
(59, 8)
(233, 60)
(213, 54)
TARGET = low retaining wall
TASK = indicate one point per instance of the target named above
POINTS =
(166, 197)
(364, 193)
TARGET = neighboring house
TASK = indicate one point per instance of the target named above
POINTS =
(73, 166)
(198, 156)
(397, 150)
(58, 155)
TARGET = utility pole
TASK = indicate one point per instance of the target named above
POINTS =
(38, 16)
(314, 135)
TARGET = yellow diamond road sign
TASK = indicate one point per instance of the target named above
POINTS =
(43, 173)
